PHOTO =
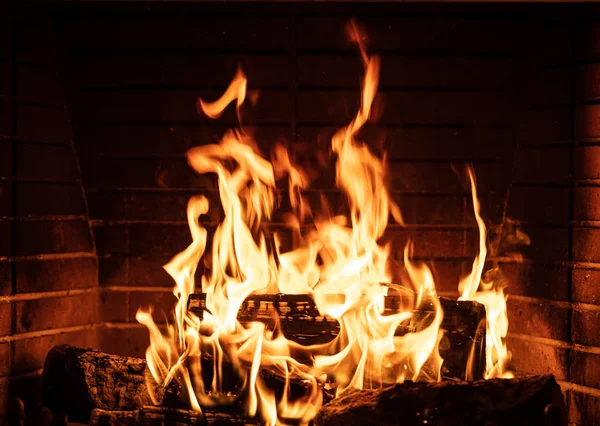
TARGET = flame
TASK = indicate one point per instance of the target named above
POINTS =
(338, 261)
(489, 294)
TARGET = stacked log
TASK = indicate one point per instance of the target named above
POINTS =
(108, 390)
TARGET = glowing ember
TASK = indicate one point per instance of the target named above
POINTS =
(338, 262)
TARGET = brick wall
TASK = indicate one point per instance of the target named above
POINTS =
(48, 266)
(509, 88)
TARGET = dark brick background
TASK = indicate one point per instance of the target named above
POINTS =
(510, 89)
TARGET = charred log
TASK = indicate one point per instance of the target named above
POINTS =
(75, 381)
(463, 325)
(151, 416)
(532, 401)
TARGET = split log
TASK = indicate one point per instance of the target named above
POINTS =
(75, 381)
(151, 416)
(532, 401)
(463, 325)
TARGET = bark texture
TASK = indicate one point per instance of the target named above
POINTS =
(531, 401)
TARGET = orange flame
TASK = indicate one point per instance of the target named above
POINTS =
(339, 263)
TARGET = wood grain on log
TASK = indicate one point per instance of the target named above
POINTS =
(496, 402)
(152, 416)
(76, 381)
(463, 325)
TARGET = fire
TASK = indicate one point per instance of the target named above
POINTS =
(339, 262)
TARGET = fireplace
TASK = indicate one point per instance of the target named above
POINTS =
(100, 106)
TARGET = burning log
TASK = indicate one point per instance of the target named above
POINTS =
(151, 416)
(463, 325)
(75, 381)
(532, 401)
(101, 389)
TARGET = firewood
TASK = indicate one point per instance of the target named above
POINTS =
(463, 325)
(75, 381)
(151, 416)
(498, 402)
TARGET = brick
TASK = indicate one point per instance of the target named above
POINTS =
(111, 238)
(68, 236)
(113, 270)
(586, 244)
(584, 408)
(549, 86)
(162, 304)
(46, 162)
(586, 200)
(5, 277)
(30, 353)
(106, 205)
(585, 35)
(169, 206)
(413, 143)
(55, 274)
(552, 125)
(446, 274)
(124, 341)
(584, 368)
(5, 318)
(548, 244)
(4, 395)
(6, 199)
(157, 206)
(6, 117)
(48, 199)
(6, 233)
(180, 69)
(401, 71)
(537, 358)
(540, 318)
(587, 123)
(428, 243)
(549, 165)
(158, 239)
(410, 33)
(540, 205)
(440, 177)
(6, 155)
(113, 306)
(210, 32)
(145, 173)
(35, 43)
(548, 41)
(123, 106)
(39, 84)
(428, 210)
(587, 162)
(539, 281)
(6, 79)
(585, 285)
(43, 124)
(424, 108)
(585, 326)
(165, 139)
(148, 271)
(587, 81)
(55, 312)
(5, 358)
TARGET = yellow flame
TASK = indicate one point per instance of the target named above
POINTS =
(338, 261)
(489, 294)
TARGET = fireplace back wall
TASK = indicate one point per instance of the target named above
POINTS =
(510, 89)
